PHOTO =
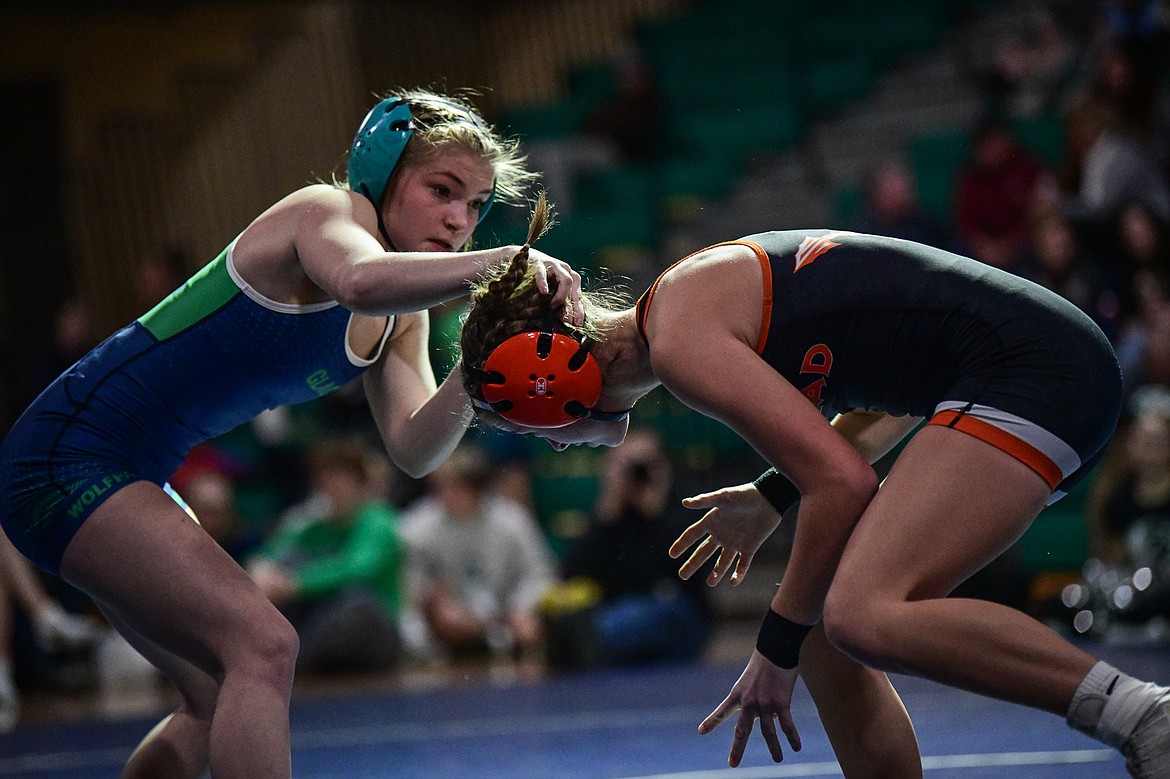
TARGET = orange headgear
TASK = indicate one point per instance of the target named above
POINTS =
(542, 379)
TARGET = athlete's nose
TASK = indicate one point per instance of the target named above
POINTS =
(457, 217)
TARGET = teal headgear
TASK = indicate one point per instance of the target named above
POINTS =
(380, 141)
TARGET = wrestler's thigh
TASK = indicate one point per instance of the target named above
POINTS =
(951, 504)
(143, 556)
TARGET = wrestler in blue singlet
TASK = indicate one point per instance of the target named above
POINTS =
(209, 357)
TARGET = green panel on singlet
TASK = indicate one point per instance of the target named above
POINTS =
(205, 292)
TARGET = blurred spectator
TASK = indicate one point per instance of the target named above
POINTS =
(1029, 67)
(1143, 27)
(621, 600)
(631, 119)
(159, 273)
(1134, 482)
(1140, 244)
(1056, 260)
(1112, 142)
(1143, 345)
(55, 631)
(997, 191)
(73, 336)
(335, 565)
(890, 207)
(624, 129)
(1126, 581)
(479, 563)
(511, 456)
(206, 483)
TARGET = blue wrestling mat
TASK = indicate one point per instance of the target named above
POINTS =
(636, 724)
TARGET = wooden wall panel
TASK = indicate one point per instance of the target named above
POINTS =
(179, 126)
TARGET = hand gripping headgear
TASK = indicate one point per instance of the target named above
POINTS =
(542, 379)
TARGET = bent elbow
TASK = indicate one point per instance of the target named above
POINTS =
(855, 488)
(357, 292)
(411, 462)
(414, 470)
(865, 484)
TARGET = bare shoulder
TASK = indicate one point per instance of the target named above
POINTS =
(309, 211)
(720, 289)
(327, 197)
(268, 253)
(311, 207)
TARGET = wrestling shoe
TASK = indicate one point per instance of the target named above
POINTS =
(1147, 752)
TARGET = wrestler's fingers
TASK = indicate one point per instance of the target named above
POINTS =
(771, 738)
(701, 555)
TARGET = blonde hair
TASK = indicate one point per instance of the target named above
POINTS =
(506, 302)
(442, 122)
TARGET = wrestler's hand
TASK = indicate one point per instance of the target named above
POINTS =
(737, 522)
(763, 692)
(568, 284)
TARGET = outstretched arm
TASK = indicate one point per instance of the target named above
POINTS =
(746, 514)
(337, 249)
(836, 483)
(421, 424)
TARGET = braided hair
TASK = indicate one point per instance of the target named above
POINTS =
(505, 302)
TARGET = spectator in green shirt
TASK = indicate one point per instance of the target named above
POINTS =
(334, 566)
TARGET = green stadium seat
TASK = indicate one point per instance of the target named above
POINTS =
(553, 121)
(735, 133)
(847, 204)
(564, 487)
(829, 83)
(1044, 136)
(936, 160)
(696, 177)
(592, 84)
(1058, 539)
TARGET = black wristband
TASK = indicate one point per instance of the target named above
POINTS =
(779, 491)
(780, 639)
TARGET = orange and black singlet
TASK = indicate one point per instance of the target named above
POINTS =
(867, 322)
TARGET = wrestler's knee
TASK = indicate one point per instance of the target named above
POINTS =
(859, 625)
(266, 647)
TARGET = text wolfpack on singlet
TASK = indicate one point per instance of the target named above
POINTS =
(96, 490)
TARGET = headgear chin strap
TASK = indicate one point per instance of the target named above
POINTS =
(542, 379)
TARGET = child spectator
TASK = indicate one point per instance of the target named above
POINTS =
(478, 563)
(335, 565)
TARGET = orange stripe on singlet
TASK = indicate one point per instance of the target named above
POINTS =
(1004, 441)
(766, 314)
(643, 304)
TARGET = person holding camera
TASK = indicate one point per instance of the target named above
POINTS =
(637, 608)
